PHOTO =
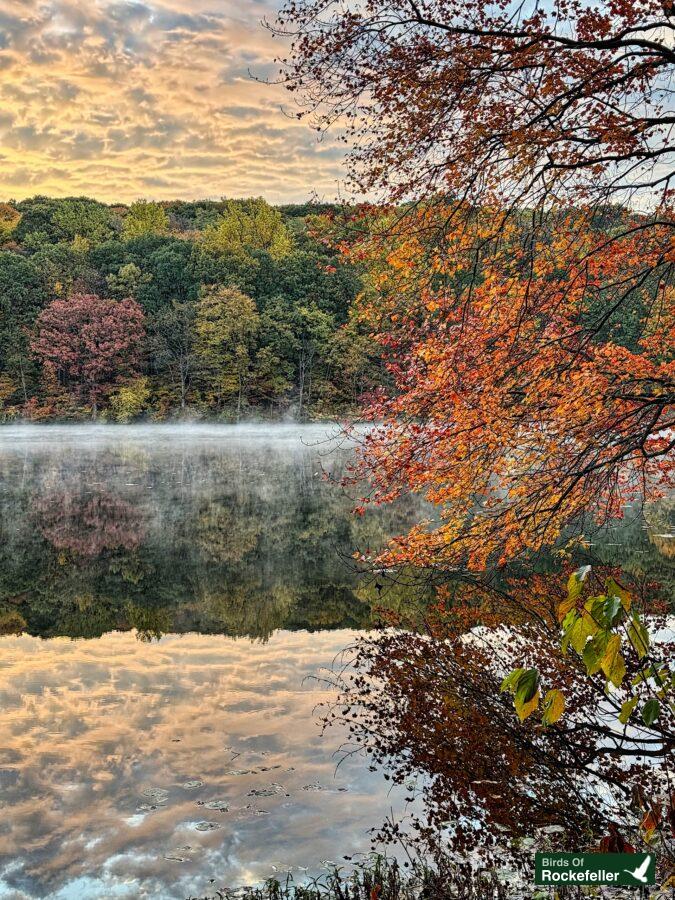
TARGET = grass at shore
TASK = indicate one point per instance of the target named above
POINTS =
(376, 879)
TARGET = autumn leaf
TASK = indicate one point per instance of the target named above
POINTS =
(627, 710)
(612, 663)
(638, 636)
(554, 707)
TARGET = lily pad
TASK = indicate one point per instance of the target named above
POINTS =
(207, 826)
(157, 795)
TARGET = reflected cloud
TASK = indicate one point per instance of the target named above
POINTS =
(89, 726)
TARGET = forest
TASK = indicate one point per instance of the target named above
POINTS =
(218, 309)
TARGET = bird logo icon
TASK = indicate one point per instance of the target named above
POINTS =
(640, 874)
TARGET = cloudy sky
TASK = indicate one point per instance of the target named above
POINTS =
(121, 100)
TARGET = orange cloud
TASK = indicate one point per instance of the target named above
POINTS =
(125, 99)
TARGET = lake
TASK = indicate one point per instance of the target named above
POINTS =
(176, 589)
(168, 595)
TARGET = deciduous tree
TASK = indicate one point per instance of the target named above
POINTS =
(89, 343)
(143, 218)
(247, 225)
(226, 324)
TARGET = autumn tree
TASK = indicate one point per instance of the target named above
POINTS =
(514, 99)
(500, 293)
(519, 282)
(9, 219)
(89, 344)
(226, 324)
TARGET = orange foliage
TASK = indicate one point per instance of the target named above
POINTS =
(519, 402)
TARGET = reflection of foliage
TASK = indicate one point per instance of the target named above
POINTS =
(422, 705)
(223, 540)
(636, 547)
(594, 759)
(150, 623)
(224, 535)
(213, 540)
(89, 525)
(242, 608)
(661, 519)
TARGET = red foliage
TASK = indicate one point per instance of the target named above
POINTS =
(89, 343)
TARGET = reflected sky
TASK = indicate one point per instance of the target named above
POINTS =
(89, 729)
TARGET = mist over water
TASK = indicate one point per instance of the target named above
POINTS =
(169, 435)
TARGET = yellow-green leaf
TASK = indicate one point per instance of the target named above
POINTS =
(511, 681)
(554, 707)
(526, 697)
(582, 629)
(614, 590)
(612, 663)
(594, 652)
(627, 710)
(566, 605)
(525, 709)
(639, 636)
(575, 583)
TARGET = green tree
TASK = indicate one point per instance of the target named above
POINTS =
(248, 225)
(313, 330)
(22, 296)
(226, 326)
(64, 266)
(46, 220)
(144, 218)
(172, 346)
(172, 267)
(127, 281)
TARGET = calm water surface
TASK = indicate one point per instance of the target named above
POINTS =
(166, 595)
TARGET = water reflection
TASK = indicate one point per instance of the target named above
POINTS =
(119, 757)
(194, 529)
(113, 751)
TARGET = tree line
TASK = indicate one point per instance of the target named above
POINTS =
(210, 309)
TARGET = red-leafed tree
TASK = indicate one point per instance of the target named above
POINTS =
(520, 283)
(89, 344)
